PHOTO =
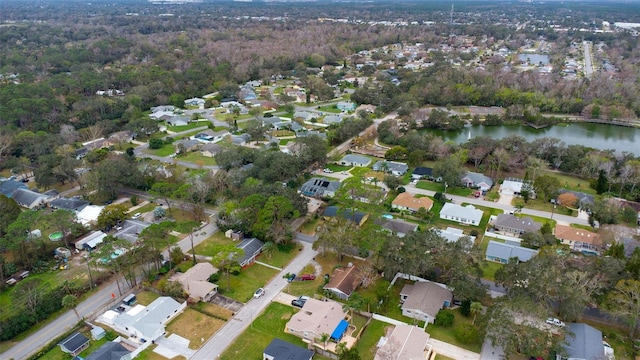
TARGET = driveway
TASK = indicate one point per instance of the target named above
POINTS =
(452, 351)
(173, 346)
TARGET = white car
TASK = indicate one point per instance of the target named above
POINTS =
(555, 322)
(328, 171)
(258, 293)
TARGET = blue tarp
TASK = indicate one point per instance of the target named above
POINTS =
(339, 330)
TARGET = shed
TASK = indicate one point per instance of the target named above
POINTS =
(74, 344)
(97, 333)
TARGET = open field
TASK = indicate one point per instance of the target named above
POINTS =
(195, 326)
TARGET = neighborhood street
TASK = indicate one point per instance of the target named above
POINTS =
(234, 327)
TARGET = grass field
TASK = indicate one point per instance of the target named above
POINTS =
(330, 109)
(190, 126)
(446, 334)
(195, 326)
(367, 344)
(165, 150)
(489, 269)
(439, 187)
(146, 297)
(197, 158)
(245, 284)
(148, 354)
(336, 167)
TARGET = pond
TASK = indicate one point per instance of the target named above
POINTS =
(597, 136)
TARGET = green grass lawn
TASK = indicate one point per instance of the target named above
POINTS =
(267, 326)
(189, 126)
(367, 344)
(439, 187)
(285, 141)
(165, 150)
(310, 226)
(570, 182)
(210, 246)
(330, 109)
(446, 334)
(489, 269)
(278, 258)
(245, 284)
(197, 158)
(57, 354)
(336, 167)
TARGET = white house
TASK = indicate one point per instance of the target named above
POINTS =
(462, 214)
(355, 160)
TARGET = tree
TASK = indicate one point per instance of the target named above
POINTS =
(30, 293)
(450, 170)
(336, 235)
(476, 308)
(347, 354)
(111, 215)
(601, 183)
(546, 186)
(393, 182)
(164, 190)
(624, 302)
(70, 302)
(65, 222)
(255, 129)
(9, 212)
(224, 260)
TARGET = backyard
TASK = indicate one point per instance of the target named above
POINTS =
(57, 354)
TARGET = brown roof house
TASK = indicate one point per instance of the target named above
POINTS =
(195, 281)
(316, 318)
(578, 239)
(513, 225)
(424, 299)
(344, 282)
(407, 202)
(406, 342)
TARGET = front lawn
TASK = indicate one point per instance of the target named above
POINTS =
(279, 258)
(330, 109)
(367, 344)
(245, 284)
(197, 158)
(189, 126)
(446, 334)
(267, 326)
(439, 187)
(165, 150)
(337, 168)
(194, 326)
(210, 246)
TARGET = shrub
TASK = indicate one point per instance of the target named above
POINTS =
(155, 143)
(473, 232)
(467, 334)
(214, 278)
(440, 197)
(444, 318)
(134, 200)
(465, 308)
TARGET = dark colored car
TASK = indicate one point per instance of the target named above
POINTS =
(299, 302)
(306, 277)
(291, 277)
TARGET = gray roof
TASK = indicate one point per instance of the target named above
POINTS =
(332, 119)
(586, 343)
(188, 143)
(28, 198)
(525, 224)
(397, 226)
(131, 229)
(211, 147)
(583, 199)
(150, 321)
(468, 212)
(422, 171)
(7, 187)
(630, 245)
(452, 234)
(251, 247)
(74, 342)
(349, 214)
(319, 186)
(392, 166)
(477, 178)
(426, 296)
(505, 251)
(311, 133)
(356, 159)
(179, 120)
(72, 204)
(282, 350)
(108, 351)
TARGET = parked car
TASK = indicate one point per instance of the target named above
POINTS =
(299, 302)
(258, 293)
(328, 171)
(136, 216)
(291, 277)
(555, 322)
(306, 277)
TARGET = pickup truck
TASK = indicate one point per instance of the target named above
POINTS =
(555, 322)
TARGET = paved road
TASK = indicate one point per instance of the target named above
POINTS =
(99, 301)
(218, 343)
(588, 63)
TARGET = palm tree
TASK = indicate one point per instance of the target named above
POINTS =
(475, 308)
(269, 249)
(324, 338)
(70, 302)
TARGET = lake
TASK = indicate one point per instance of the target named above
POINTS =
(597, 136)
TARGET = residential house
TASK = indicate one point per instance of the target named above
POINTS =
(163, 115)
(74, 344)
(124, 136)
(210, 150)
(110, 351)
(100, 143)
(344, 281)
(462, 214)
(74, 204)
(251, 249)
(583, 342)
(393, 167)
(305, 116)
(210, 136)
(406, 342)
(195, 281)
(178, 120)
(283, 350)
(355, 216)
(513, 225)
(584, 200)
(408, 202)
(502, 252)
(423, 300)
(477, 180)
(130, 230)
(316, 318)
(240, 139)
(355, 160)
(366, 107)
(7, 187)
(195, 102)
(30, 199)
(346, 106)
(397, 227)
(170, 108)
(306, 133)
(453, 235)
(513, 187)
(146, 323)
(89, 215)
(630, 245)
(422, 172)
(320, 187)
(81, 153)
(187, 145)
(332, 119)
(90, 241)
(578, 239)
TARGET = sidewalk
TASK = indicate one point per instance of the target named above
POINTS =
(452, 351)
